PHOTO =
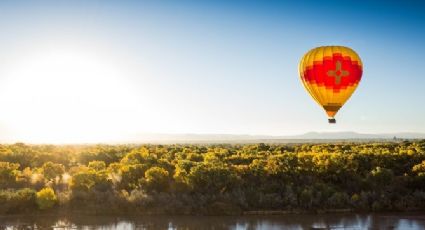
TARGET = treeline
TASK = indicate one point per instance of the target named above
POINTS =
(212, 179)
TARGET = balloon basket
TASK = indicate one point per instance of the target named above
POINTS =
(332, 120)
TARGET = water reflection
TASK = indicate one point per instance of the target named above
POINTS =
(302, 221)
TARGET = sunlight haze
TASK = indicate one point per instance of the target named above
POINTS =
(99, 71)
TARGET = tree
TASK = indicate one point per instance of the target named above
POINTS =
(381, 177)
(91, 180)
(156, 179)
(52, 171)
(419, 175)
(419, 169)
(212, 178)
(8, 172)
(97, 165)
(131, 175)
(83, 181)
(46, 198)
(140, 156)
(181, 172)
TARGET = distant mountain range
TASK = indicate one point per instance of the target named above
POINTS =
(307, 137)
(310, 137)
(354, 135)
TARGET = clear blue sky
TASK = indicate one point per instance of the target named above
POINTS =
(81, 70)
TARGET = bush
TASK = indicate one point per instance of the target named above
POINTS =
(46, 198)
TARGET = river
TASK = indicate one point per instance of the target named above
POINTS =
(403, 221)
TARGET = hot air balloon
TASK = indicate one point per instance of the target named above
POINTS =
(330, 74)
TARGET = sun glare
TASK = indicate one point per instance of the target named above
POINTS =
(65, 95)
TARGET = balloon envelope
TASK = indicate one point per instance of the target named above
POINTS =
(331, 74)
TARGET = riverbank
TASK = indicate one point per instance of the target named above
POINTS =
(60, 212)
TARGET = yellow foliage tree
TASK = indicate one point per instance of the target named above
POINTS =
(46, 198)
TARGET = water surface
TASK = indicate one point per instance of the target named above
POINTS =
(414, 221)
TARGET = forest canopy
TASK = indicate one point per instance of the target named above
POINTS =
(212, 179)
